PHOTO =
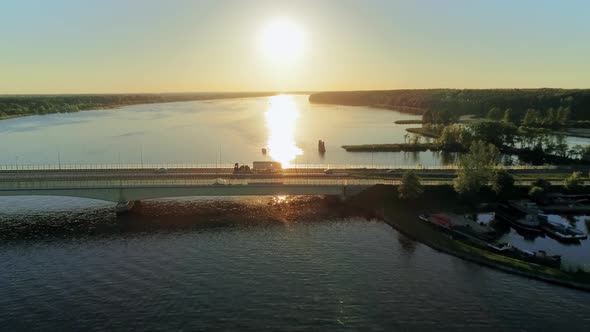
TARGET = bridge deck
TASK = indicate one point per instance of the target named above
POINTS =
(135, 184)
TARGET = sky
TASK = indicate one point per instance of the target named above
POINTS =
(127, 46)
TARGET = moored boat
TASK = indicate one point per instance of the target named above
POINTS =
(521, 214)
(562, 231)
(538, 257)
(541, 257)
(437, 220)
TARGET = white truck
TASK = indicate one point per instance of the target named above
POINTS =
(266, 166)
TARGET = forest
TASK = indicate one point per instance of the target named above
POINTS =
(21, 105)
(469, 101)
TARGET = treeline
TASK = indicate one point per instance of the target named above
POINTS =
(44, 104)
(462, 102)
(532, 145)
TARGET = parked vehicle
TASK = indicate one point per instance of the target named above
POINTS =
(243, 169)
(266, 166)
(220, 182)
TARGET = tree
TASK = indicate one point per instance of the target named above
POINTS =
(573, 182)
(445, 116)
(475, 167)
(495, 114)
(563, 116)
(502, 182)
(577, 151)
(530, 118)
(549, 119)
(536, 192)
(585, 155)
(427, 117)
(508, 116)
(455, 136)
(410, 186)
(561, 146)
(497, 133)
(542, 183)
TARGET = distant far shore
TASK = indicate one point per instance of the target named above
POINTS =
(14, 106)
(463, 101)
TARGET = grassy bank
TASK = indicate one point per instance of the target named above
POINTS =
(423, 132)
(408, 122)
(400, 108)
(395, 147)
(402, 147)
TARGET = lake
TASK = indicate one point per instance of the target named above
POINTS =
(215, 132)
(70, 264)
(318, 273)
(210, 132)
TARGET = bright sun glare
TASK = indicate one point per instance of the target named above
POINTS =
(281, 118)
(282, 40)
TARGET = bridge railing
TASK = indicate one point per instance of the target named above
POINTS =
(221, 167)
(130, 183)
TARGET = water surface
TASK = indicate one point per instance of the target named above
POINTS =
(210, 132)
(329, 274)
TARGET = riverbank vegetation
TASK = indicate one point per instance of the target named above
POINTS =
(23, 105)
(458, 102)
(535, 145)
(408, 122)
(395, 147)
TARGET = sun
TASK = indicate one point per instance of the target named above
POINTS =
(282, 40)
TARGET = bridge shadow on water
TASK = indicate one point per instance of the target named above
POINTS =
(178, 215)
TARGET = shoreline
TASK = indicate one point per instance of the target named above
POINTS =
(401, 147)
(484, 262)
(142, 102)
(401, 215)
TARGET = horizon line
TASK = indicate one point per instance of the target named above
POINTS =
(268, 91)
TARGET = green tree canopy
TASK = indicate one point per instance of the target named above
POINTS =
(455, 135)
(495, 114)
(475, 167)
(497, 133)
(531, 118)
(508, 116)
(536, 192)
(542, 183)
(410, 186)
(427, 117)
(574, 181)
(502, 182)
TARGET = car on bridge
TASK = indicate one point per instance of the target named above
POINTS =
(220, 182)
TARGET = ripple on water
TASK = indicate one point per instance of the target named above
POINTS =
(323, 273)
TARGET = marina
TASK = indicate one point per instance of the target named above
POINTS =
(523, 216)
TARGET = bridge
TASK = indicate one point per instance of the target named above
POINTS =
(122, 185)
(128, 184)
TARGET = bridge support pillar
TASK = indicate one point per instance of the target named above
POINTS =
(343, 195)
(124, 207)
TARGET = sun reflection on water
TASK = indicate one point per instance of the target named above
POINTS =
(281, 118)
